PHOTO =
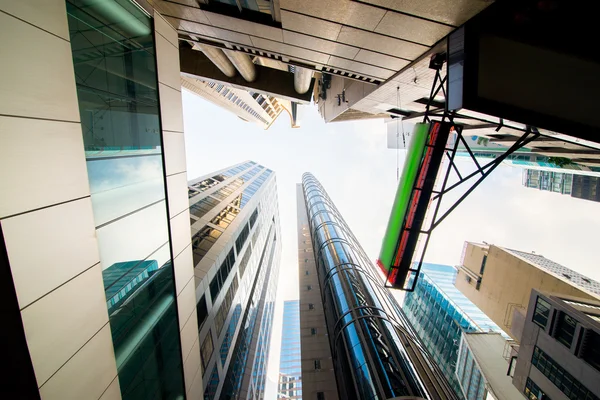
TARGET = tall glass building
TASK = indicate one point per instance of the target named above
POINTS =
(236, 249)
(290, 371)
(96, 267)
(102, 266)
(356, 342)
(440, 314)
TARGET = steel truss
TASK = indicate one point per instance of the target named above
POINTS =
(434, 110)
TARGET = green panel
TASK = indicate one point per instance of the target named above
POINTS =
(414, 154)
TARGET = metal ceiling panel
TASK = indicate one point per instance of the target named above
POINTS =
(382, 44)
(452, 12)
(381, 60)
(324, 46)
(342, 11)
(414, 29)
(312, 26)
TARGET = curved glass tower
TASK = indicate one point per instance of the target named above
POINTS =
(372, 346)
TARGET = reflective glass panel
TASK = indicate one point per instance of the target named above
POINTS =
(114, 63)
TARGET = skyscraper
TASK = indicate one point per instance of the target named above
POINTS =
(559, 355)
(579, 186)
(236, 250)
(290, 371)
(440, 313)
(249, 106)
(356, 343)
(499, 281)
(104, 306)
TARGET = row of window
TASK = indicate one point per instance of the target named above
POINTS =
(205, 184)
(207, 236)
(200, 208)
(244, 261)
(226, 216)
(232, 171)
(253, 188)
(242, 237)
(228, 338)
(216, 284)
(561, 378)
(533, 392)
(203, 241)
(236, 100)
(221, 315)
(587, 344)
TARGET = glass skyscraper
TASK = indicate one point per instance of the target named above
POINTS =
(440, 314)
(104, 307)
(236, 249)
(355, 342)
(290, 371)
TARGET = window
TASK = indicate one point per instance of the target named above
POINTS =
(241, 239)
(253, 218)
(306, 260)
(533, 392)
(320, 396)
(317, 365)
(591, 351)
(561, 378)
(313, 331)
(311, 306)
(221, 276)
(202, 312)
(200, 208)
(483, 264)
(541, 313)
(565, 329)
(308, 287)
(206, 350)
(244, 262)
(306, 272)
(225, 306)
(203, 241)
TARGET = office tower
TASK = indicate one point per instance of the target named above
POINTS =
(499, 281)
(236, 250)
(483, 362)
(355, 341)
(440, 313)
(559, 355)
(556, 182)
(247, 105)
(96, 263)
(586, 187)
(290, 371)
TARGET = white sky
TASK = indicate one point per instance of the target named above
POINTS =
(352, 162)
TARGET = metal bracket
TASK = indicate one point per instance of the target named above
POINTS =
(530, 134)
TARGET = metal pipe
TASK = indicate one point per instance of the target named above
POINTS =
(243, 64)
(218, 57)
(302, 77)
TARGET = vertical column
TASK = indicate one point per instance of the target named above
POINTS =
(45, 209)
(167, 55)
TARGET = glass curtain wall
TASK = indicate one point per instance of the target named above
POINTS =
(115, 68)
(370, 360)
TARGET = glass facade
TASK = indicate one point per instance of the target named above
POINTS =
(560, 377)
(370, 360)
(116, 80)
(290, 370)
(468, 374)
(235, 311)
(440, 313)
